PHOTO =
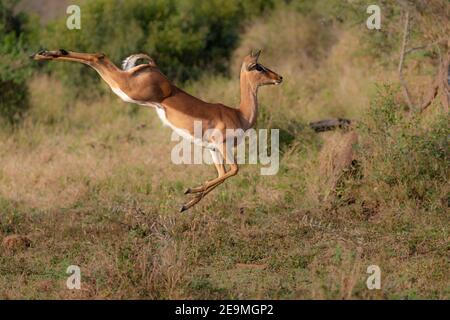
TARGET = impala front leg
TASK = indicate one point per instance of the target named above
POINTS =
(211, 185)
(219, 164)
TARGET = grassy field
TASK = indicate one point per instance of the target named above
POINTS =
(92, 184)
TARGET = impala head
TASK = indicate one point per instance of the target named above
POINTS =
(258, 74)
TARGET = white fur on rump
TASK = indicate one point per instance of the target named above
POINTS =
(130, 61)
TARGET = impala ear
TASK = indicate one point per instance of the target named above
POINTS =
(255, 54)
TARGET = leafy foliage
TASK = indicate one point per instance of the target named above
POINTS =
(14, 70)
(184, 37)
(405, 154)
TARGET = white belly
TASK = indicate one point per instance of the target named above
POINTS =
(181, 132)
(123, 95)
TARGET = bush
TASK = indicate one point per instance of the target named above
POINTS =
(185, 37)
(14, 70)
(404, 157)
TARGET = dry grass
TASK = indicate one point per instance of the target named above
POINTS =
(92, 184)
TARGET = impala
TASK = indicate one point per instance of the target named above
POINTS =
(145, 84)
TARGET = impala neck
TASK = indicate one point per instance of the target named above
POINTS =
(248, 107)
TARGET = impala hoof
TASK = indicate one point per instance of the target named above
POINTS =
(40, 52)
(183, 208)
(188, 190)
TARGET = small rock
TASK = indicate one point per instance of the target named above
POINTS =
(16, 241)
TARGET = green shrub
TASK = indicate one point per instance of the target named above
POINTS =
(403, 156)
(14, 70)
(185, 37)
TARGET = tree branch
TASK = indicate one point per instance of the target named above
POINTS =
(402, 60)
(432, 94)
(423, 46)
(440, 83)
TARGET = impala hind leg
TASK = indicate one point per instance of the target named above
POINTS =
(61, 54)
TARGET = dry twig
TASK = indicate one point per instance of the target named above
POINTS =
(440, 84)
(401, 62)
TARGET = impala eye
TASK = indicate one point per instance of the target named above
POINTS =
(259, 68)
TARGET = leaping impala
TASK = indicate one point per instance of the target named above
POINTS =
(144, 84)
